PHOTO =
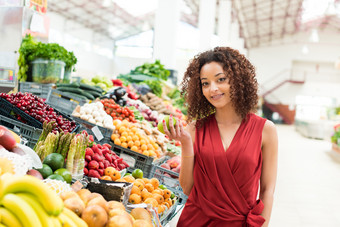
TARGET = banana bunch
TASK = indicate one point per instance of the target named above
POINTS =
(27, 201)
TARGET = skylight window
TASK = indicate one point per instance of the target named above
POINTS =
(314, 9)
(136, 7)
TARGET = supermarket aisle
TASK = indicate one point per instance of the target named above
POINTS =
(308, 185)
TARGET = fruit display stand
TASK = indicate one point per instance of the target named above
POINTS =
(134, 159)
(29, 133)
(41, 90)
(64, 102)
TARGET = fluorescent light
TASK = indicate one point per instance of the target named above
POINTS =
(305, 49)
(314, 37)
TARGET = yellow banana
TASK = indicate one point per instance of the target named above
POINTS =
(23, 211)
(66, 221)
(8, 218)
(49, 199)
(56, 222)
(74, 217)
(1, 225)
(37, 207)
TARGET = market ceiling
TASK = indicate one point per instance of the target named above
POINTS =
(262, 22)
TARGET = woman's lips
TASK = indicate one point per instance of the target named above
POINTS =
(216, 97)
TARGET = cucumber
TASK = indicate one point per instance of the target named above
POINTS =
(94, 93)
(88, 95)
(75, 95)
(74, 85)
(89, 87)
(70, 89)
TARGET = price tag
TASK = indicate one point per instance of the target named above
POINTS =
(97, 133)
(128, 159)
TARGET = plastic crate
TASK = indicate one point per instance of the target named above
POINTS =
(63, 102)
(165, 218)
(30, 133)
(104, 134)
(134, 159)
(171, 183)
(11, 111)
(37, 89)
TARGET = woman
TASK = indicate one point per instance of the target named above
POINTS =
(228, 153)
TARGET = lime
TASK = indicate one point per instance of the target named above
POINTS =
(127, 174)
(162, 186)
(172, 195)
(45, 171)
(137, 173)
(55, 177)
(54, 160)
(65, 174)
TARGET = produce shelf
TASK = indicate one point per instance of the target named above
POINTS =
(64, 102)
(10, 111)
(134, 159)
(30, 133)
(37, 89)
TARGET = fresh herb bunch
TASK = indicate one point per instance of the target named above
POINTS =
(31, 50)
(153, 69)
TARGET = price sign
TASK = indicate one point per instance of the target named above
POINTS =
(128, 159)
(97, 133)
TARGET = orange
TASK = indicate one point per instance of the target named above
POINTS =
(135, 199)
(114, 136)
(121, 180)
(130, 143)
(151, 201)
(137, 143)
(125, 134)
(146, 153)
(139, 184)
(122, 139)
(158, 197)
(141, 180)
(143, 147)
(142, 141)
(167, 193)
(155, 145)
(134, 148)
(125, 145)
(167, 204)
(154, 182)
(146, 194)
(157, 191)
(160, 208)
(106, 178)
(135, 190)
(150, 147)
(134, 129)
(129, 178)
(122, 129)
(152, 154)
(149, 187)
(128, 138)
(168, 200)
(117, 141)
(134, 138)
(115, 175)
(109, 170)
(146, 180)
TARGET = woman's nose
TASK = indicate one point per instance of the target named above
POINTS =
(213, 87)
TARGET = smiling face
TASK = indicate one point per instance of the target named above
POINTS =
(215, 85)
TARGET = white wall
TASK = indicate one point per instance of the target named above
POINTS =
(274, 63)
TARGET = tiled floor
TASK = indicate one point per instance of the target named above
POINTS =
(308, 183)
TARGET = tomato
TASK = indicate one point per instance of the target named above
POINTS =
(122, 115)
(119, 110)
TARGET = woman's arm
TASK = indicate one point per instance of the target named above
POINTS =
(269, 169)
(186, 176)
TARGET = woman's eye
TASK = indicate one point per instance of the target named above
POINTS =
(222, 79)
(204, 84)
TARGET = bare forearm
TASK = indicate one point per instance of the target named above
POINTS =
(186, 177)
(267, 199)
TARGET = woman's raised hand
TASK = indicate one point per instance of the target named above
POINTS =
(176, 132)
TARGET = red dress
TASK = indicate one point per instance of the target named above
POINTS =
(226, 183)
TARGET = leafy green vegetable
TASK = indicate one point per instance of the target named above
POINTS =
(31, 50)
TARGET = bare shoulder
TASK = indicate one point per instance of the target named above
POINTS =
(191, 128)
(269, 133)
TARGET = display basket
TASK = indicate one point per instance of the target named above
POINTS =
(64, 102)
(30, 133)
(10, 111)
(168, 178)
(110, 190)
(100, 134)
(37, 89)
(134, 159)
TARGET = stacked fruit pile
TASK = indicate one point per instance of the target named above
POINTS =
(27, 201)
(129, 136)
(118, 112)
(38, 109)
(97, 212)
(100, 157)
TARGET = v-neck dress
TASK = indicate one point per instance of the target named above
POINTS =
(226, 183)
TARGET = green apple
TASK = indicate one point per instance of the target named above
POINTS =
(166, 118)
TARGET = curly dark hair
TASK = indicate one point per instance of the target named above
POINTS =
(243, 84)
